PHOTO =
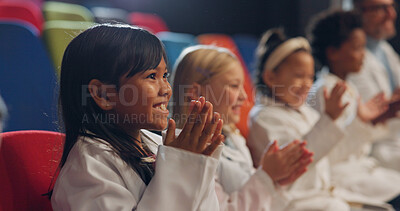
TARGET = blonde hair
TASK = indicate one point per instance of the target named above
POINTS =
(196, 64)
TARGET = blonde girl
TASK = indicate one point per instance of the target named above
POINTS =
(216, 74)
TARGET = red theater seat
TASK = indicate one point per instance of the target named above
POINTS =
(151, 22)
(28, 162)
(25, 11)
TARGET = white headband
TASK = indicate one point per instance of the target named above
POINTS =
(284, 50)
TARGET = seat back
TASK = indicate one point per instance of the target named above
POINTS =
(247, 45)
(28, 83)
(174, 44)
(22, 11)
(53, 10)
(58, 34)
(226, 41)
(151, 22)
(109, 15)
(28, 162)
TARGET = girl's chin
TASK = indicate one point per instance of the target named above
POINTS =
(297, 103)
(158, 125)
(234, 119)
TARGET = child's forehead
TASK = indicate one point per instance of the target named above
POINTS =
(297, 58)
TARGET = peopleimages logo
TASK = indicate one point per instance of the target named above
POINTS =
(128, 95)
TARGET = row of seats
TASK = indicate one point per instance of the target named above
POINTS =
(21, 33)
(59, 22)
(62, 21)
(28, 84)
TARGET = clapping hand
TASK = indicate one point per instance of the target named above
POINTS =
(373, 108)
(333, 101)
(202, 131)
(285, 165)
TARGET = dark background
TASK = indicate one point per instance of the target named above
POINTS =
(227, 16)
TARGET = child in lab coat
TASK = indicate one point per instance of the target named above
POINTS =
(113, 89)
(285, 74)
(339, 42)
(216, 74)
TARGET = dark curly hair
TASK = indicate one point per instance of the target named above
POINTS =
(331, 29)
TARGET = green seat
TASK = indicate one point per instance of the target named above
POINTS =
(57, 35)
(65, 11)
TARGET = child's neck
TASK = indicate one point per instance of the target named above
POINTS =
(136, 135)
(340, 73)
(293, 106)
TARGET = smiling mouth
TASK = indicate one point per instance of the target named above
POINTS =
(161, 106)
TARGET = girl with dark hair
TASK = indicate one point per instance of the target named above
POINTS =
(113, 88)
(338, 43)
(285, 75)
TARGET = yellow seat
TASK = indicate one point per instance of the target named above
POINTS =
(65, 11)
(57, 35)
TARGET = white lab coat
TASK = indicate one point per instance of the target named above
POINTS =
(95, 178)
(240, 186)
(372, 79)
(352, 167)
(271, 120)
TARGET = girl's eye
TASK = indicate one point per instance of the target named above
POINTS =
(152, 76)
(234, 85)
(166, 75)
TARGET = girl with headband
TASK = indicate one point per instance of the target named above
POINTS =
(285, 74)
(217, 74)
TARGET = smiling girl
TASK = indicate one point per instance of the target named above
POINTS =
(217, 74)
(285, 74)
(120, 71)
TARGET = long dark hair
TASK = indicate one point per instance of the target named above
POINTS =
(105, 52)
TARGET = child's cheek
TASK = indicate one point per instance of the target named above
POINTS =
(297, 83)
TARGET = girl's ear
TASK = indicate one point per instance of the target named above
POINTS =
(102, 94)
(268, 78)
(331, 53)
(195, 91)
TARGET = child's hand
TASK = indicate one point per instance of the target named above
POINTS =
(396, 95)
(333, 102)
(285, 165)
(373, 108)
(202, 131)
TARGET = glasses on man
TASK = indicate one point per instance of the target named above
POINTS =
(379, 8)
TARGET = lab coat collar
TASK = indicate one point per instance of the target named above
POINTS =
(373, 44)
(268, 101)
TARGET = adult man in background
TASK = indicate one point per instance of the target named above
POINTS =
(381, 72)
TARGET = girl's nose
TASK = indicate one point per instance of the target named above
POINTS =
(165, 89)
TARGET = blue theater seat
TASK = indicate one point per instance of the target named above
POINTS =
(247, 45)
(28, 83)
(174, 44)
